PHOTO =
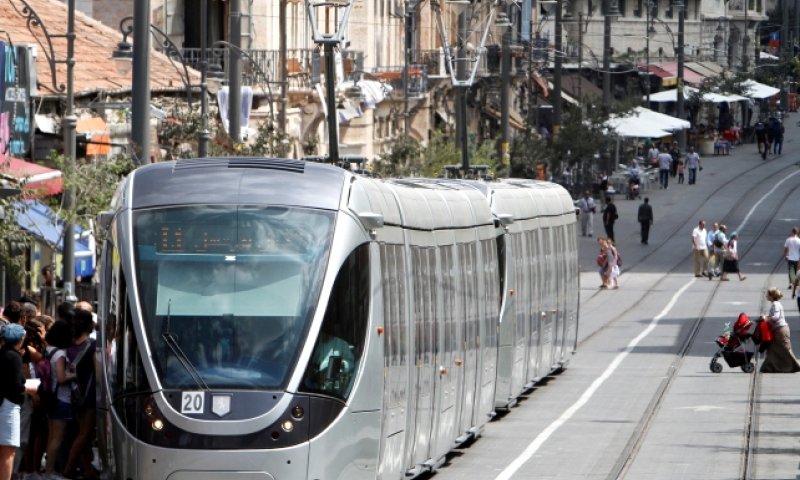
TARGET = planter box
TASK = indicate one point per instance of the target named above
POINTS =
(705, 147)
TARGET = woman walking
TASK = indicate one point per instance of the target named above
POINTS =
(12, 394)
(730, 259)
(780, 357)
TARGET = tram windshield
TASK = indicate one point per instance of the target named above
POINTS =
(227, 292)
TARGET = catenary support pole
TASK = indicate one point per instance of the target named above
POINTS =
(70, 122)
(679, 105)
(140, 110)
(235, 73)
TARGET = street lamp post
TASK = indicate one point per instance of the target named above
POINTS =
(235, 73)
(557, 65)
(140, 110)
(679, 104)
(124, 51)
(68, 124)
(464, 66)
(329, 38)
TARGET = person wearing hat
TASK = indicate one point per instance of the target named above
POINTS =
(730, 259)
(12, 394)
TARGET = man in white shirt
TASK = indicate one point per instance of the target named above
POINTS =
(700, 249)
(587, 208)
(791, 252)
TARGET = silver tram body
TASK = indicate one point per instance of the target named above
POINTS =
(275, 319)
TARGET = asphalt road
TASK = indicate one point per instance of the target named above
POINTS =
(638, 399)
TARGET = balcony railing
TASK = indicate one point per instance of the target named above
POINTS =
(303, 65)
(417, 80)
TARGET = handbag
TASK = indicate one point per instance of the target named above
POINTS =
(763, 333)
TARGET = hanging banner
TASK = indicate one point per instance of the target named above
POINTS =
(19, 72)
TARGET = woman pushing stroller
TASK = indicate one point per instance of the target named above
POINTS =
(780, 357)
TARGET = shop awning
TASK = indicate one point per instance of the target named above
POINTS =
(690, 77)
(755, 89)
(711, 97)
(31, 176)
(703, 69)
(43, 223)
(667, 78)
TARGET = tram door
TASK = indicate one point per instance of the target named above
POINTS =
(534, 266)
(522, 290)
(448, 333)
(489, 292)
(561, 304)
(548, 304)
(396, 368)
(468, 259)
(424, 374)
(506, 326)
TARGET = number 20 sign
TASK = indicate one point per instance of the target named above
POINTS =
(192, 402)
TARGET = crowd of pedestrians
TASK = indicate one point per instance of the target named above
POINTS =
(715, 253)
(48, 388)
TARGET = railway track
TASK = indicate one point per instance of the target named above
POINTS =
(750, 423)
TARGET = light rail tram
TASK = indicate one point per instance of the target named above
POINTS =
(270, 319)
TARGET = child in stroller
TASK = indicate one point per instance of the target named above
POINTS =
(733, 346)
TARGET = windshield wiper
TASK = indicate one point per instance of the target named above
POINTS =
(172, 343)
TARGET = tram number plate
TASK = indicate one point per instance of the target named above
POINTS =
(192, 402)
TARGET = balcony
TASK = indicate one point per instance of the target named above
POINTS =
(303, 65)
(755, 9)
(393, 76)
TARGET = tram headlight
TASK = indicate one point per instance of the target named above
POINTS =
(298, 412)
(157, 425)
(287, 426)
(148, 408)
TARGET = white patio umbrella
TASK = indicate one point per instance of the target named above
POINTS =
(664, 121)
(755, 89)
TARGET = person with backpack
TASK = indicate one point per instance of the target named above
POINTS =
(761, 137)
(719, 243)
(713, 268)
(81, 355)
(57, 394)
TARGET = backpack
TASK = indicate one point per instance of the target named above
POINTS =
(78, 397)
(45, 391)
(619, 259)
(717, 241)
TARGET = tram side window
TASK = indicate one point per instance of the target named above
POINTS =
(335, 359)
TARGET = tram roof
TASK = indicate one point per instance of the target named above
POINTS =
(237, 180)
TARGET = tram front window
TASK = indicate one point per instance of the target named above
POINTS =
(227, 292)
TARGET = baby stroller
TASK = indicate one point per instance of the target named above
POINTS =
(733, 346)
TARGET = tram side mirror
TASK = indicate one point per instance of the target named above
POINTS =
(505, 219)
(371, 221)
(104, 219)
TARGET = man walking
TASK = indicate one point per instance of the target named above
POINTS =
(587, 207)
(791, 252)
(675, 153)
(692, 164)
(609, 217)
(645, 219)
(664, 163)
(700, 249)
